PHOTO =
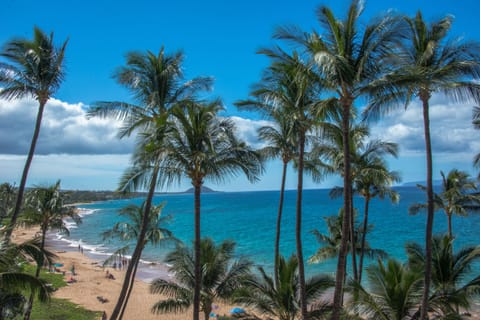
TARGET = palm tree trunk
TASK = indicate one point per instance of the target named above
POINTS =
(353, 242)
(364, 236)
(279, 224)
(207, 310)
(430, 210)
(28, 162)
(197, 268)
(130, 288)
(28, 310)
(298, 229)
(137, 252)
(450, 233)
(347, 191)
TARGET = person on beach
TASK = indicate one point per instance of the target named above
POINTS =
(73, 269)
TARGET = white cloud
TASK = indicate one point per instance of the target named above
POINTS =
(247, 130)
(65, 129)
(450, 128)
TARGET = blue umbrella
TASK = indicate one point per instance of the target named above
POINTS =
(237, 310)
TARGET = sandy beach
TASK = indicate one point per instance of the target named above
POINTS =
(91, 283)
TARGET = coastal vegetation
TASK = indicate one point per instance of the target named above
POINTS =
(310, 96)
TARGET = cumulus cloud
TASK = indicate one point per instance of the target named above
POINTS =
(247, 130)
(65, 130)
(450, 128)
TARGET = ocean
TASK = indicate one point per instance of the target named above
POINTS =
(249, 219)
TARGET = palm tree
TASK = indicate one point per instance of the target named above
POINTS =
(331, 241)
(36, 69)
(14, 282)
(455, 197)
(203, 146)
(44, 206)
(294, 90)
(429, 63)
(158, 84)
(221, 276)
(7, 194)
(370, 176)
(393, 292)
(271, 98)
(348, 60)
(130, 230)
(283, 301)
(280, 144)
(452, 288)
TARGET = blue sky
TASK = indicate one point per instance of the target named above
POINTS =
(219, 39)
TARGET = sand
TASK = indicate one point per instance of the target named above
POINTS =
(91, 283)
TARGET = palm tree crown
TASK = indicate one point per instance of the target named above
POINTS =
(221, 276)
(283, 301)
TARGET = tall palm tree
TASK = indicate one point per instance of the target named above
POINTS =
(282, 302)
(280, 144)
(130, 230)
(203, 146)
(13, 281)
(295, 90)
(157, 83)
(456, 196)
(348, 59)
(370, 176)
(36, 69)
(221, 276)
(272, 98)
(453, 284)
(45, 207)
(429, 63)
(393, 292)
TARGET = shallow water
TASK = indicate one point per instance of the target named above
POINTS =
(249, 218)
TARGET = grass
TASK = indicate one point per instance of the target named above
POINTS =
(57, 309)
(61, 309)
(55, 279)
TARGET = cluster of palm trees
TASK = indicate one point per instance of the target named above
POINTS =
(310, 94)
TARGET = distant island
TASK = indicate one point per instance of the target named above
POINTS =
(204, 190)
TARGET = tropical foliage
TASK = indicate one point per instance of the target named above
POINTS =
(330, 242)
(15, 284)
(457, 197)
(221, 277)
(44, 207)
(394, 292)
(309, 95)
(454, 286)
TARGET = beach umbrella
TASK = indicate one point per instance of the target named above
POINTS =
(237, 310)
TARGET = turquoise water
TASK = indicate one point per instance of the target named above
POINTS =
(249, 218)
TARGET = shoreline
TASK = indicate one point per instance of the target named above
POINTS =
(94, 291)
